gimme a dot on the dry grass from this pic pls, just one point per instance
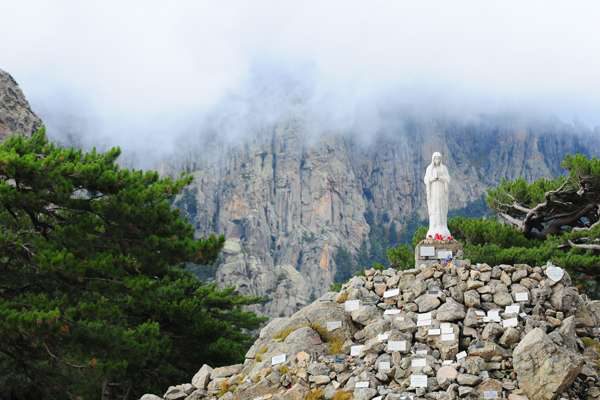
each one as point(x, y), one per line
point(342, 395)
point(223, 388)
point(284, 369)
point(315, 394)
point(240, 379)
point(284, 333)
point(320, 329)
point(343, 296)
point(259, 354)
point(336, 344)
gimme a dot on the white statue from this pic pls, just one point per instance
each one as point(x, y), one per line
point(436, 184)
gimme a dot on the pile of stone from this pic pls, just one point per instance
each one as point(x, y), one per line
point(455, 331)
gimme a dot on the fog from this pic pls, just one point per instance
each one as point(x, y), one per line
point(140, 74)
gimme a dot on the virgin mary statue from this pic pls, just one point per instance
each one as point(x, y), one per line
point(436, 184)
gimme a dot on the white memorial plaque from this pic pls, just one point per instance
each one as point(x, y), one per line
point(490, 394)
point(279, 359)
point(391, 311)
point(361, 385)
point(377, 398)
point(384, 366)
point(446, 328)
point(443, 254)
point(494, 315)
point(421, 352)
point(461, 355)
point(391, 293)
point(397, 345)
point(509, 323)
point(356, 350)
point(447, 362)
point(352, 305)
point(521, 296)
point(427, 251)
point(418, 362)
point(423, 322)
point(382, 337)
point(448, 337)
point(333, 325)
point(434, 332)
point(480, 313)
point(555, 273)
point(424, 316)
point(418, 381)
point(513, 309)
point(522, 315)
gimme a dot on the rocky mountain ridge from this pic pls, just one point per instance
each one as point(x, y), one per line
point(454, 331)
point(297, 208)
point(15, 112)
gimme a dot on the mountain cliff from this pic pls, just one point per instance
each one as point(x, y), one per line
point(298, 207)
point(15, 113)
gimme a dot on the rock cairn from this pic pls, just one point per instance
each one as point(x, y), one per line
point(456, 331)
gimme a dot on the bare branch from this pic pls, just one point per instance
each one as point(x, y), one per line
point(584, 246)
point(512, 220)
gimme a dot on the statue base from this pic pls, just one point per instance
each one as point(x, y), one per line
point(429, 252)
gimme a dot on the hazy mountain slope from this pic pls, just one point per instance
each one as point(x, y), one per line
point(287, 201)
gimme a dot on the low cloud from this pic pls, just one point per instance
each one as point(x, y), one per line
point(141, 74)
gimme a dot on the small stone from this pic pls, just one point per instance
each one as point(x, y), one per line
point(471, 299)
point(510, 337)
point(225, 372)
point(503, 298)
point(201, 378)
point(319, 379)
point(446, 375)
point(451, 310)
point(427, 302)
point(468, 379)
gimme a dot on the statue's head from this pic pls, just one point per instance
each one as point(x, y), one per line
point(436, 158)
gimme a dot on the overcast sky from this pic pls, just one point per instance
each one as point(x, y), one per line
point(135, 71)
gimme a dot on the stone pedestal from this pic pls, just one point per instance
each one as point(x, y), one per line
point(429, 252)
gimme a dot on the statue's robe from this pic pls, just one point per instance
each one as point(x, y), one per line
point(437, 199)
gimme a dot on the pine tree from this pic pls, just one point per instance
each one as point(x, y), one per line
point(92, 285)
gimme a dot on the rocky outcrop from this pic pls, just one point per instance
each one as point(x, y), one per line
point(373, 341)
point(286, 200)
point(15, 113)
point(545, 369)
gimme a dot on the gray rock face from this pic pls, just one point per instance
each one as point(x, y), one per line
point(544, 370)
point(287, 202)
point(504, 356)
point(15, 113)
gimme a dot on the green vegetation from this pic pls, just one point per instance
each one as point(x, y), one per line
point(93, 288)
